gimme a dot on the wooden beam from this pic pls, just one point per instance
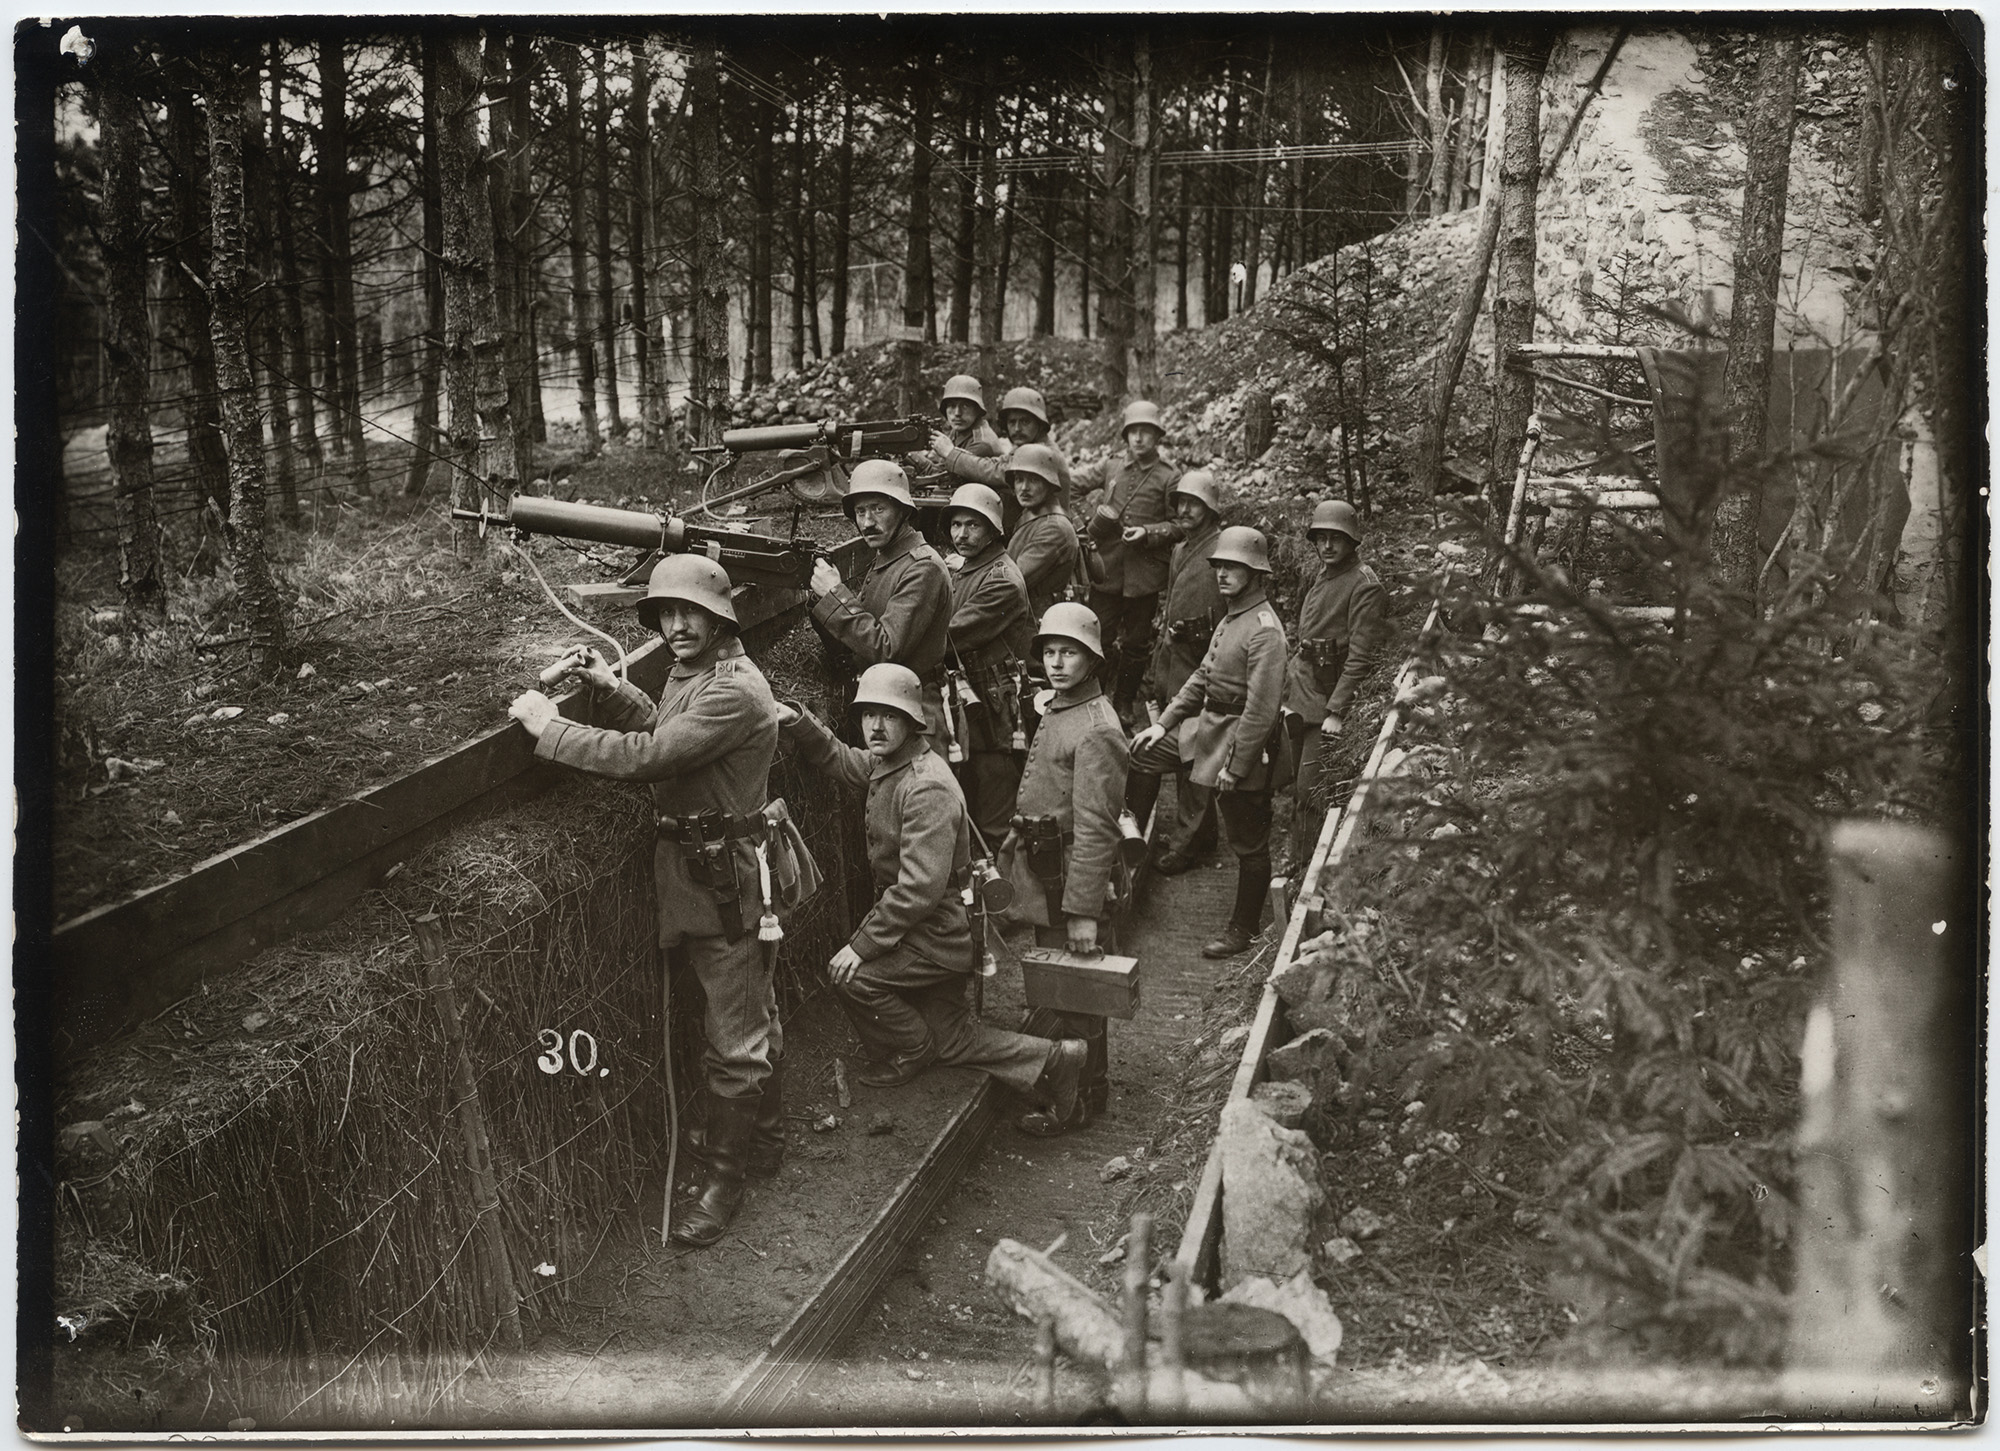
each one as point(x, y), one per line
point(1573, 351)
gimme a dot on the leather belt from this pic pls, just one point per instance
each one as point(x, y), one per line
point(693, 830)
point(1221, 705)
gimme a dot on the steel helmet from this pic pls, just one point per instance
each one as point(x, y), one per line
point(879, 476)
point(964, 388)
point(1025, 400)
point(1037, 459)
point(1336, 516)
point(1067, 621)
point(1200, 484)
point(895, 686)
point(980, 500)
point(1141, 411)
point(689, 577)
point(1241, 544)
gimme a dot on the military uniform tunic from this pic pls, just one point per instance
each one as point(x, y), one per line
point(901, 611)
point(992, 471)
point(990, 634)
point(1244, 672)
point(1044, 546)
point(1192, 609)
point(1075, 772)
point(1348, 608)
point(1137, 494)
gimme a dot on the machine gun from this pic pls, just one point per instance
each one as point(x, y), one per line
point(813, 457)
point(749, 558)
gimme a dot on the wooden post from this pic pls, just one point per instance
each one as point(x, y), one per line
point(496, 1274)
point(1883, 1304)
point(1132, 1360)
point(1173, 1352)
point(1045, 1368)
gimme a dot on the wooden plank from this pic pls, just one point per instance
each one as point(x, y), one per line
point(1615, 500)
point(123, 962)
point(760, 1396)
point(1573, 351)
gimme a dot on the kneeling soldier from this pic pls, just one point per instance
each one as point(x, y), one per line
point(990, 631)
point(706, 749)
point(903, 975)
point(1064, 849)
point(1230, 707)
point(1343, 633)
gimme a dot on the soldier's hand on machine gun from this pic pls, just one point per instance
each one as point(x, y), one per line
point(533, 710)
point(586, 664)
point(1333, 725)
point(843, 965)
point(1083, 936)
point(1148, 736)
point(824, 578)
point(941, 445)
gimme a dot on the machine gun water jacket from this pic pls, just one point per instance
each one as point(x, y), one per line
point(1191, 608)
point(1075, 772)
point(1227, 711)
point(1343, 634)
point(919, 849)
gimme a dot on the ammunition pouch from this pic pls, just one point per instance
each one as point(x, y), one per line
point(712, 850)
point(1323, 654)
point(1047, 847)
point(1195, 630)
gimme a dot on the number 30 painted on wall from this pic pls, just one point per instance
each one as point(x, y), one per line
point(552, 1062)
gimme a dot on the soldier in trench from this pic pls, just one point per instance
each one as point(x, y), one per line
point(705, 749)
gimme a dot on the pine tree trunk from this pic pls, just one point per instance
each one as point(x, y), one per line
point(128, 337)
point(607, 281)
point(426, 439)
point(569, 62)
point(1115, 293)
point(475, 381)
point(1183, 219)
point(843, 221)
point(1440, 119)
point(528, 281)
point(207, 459)
point(267, 355)
point(810, 220)
point(708, 368)
point(800, 225)
point(1045, 282)
point(1145, 221)
point(765, 190)
point(1760, 257)
point(291, 292)
point(986, 233)
point(638, 235)
point(1253, 217)
point(243, 429)
point(1514, 285)
point(959, 323)
point(1472, 135)
point(919, 315)
point(335, 192)
point(1086, 272)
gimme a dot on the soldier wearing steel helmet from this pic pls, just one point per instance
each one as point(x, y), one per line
point(705, 748)
point(1223, 723)
point(902, 609)
point(1190, 610)
point(902, 976)
point(1343, 634)
point(1075, 774)
point(1044, 541)
point(963, 404)
point(1130, 525)
point(1024, 415)
point(990, 634)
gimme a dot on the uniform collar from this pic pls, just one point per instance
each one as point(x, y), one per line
point(1207, 532)
point(915, 746)
point(1246, 603)
point(1093, 688)
point(900, 543)
point(985, 556)
point(1335, 571)
point(726, 647)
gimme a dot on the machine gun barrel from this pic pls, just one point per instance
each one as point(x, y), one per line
point(748, 557)
point(594, 522)
point(784, 435)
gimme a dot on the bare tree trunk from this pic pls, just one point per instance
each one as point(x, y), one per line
point(527, 263)
point(801, 225)
point(570, 62)
point(187, 269)
point(919, 317)
point(299, 355)
point(1253, 216)
point(510, 307)
point(1760, 257)
point(262, 160)
point(958, 326)
point(427, 440)
point(708, 366)
point(607, 282)
point(1009, 217)
point(1184, 218)
point(764, 191)
point(1440, 119)
point(335, 190)
point(638, 234)
point(1045, 284)
point(475, 385)
point(1115, 293)
point(231, 88)
point(986, 226)
point(843, 220)
point(1514, 286)
point(1472, 135)
point(1145, 221)
point(128, 337)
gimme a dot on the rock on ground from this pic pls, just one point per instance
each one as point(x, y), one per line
point(1300, 1301)
point(1270, 1188)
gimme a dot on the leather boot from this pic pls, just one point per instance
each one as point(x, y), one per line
point(1253, 883)
point(767, 1149)
point(896, 1071)
point(1063, 1106)
point(731, 1124)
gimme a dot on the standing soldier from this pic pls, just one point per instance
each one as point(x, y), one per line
point(963, 404)
point(990, 636)
point(1343, 634)
point(1132, 530)
point(1064, 850)
point(706, 750)
point(1025, 418)
point(1227, 715)
point(1192, 610)
point(901, 612)
point(1044, 541)
point(902, 975)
